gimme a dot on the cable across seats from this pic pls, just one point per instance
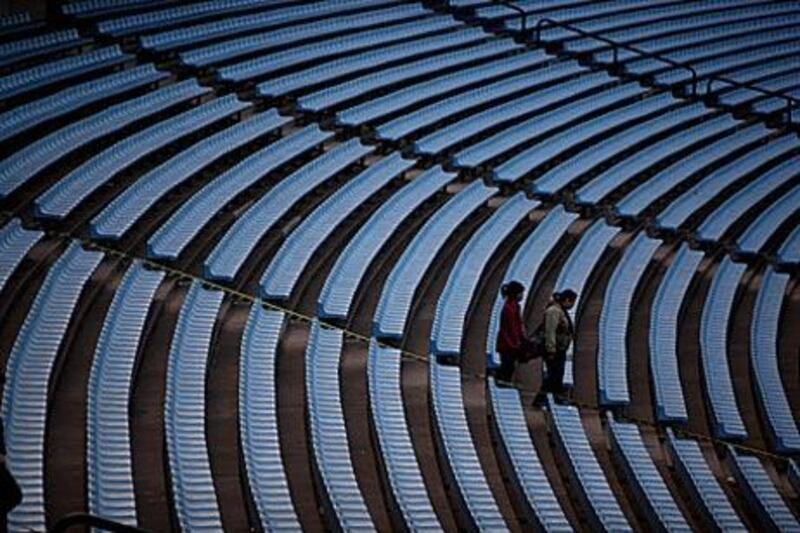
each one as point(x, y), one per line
point(427, 115)
point(679, 172)
point(23, 117)
point(677, 212)
point(38, 45)
point(184, 36)
point(651, 491)
point(699, 481)
point(283, 272)
point(15, 243)
point(612, 350)
point(761, 493)
point(451, 310)
point(764, 363)
point(127, 208)
point(663, 336)
point(398, 290)
point(281, 59)
point(329, 429)
point(108, 451)
point(525, 266)
point(394, 439)
point(230, 253)
point(192, 485)
point(578, 269)
point(340, 288)
point(194, 214)
point(231, 48)
point(714, 331)
point(423, 90)
point(17, 169)
point(337, 94)
point(516, 441)
point(258, 421)
point(755, 237)
point(29, 372)
point(457, 449)
point(593, 490)
point(62, 198)
point(723, 217)
point(331, 70)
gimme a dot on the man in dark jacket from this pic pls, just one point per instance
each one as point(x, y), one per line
point(558, 335)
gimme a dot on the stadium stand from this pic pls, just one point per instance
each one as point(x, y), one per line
point(755, 237)
point(15, 243)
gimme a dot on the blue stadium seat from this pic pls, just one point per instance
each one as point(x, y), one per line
point(394, 439)
point(789, 252)
point(682, 208)
point(761, 493)
point(20, 118)
point(15, 243)
point(650, 490)
point(95, 8)
point(458, 449)
point(664, 322)
point(28, 375)
point(62, 198)
point(398, 290)
point(714, 331)
point(525, 265)
point(329, 430)
point(590, 484)
point(516, 440)
point(61, 69)
point(258, 421)
point(794, 474)
point(231, 48)
point(192, 486)
point(108, 435)
point(15, 51)
point(339, 290)
point(755, 236)
point(773, 76)
point(195, 213)
point(696, 477)
point(677, 173)
point(612, 349)
point(283, 272)
point(451, 311)
point(228, 256)
point(764, 363)
point(577, 270)
point(123, 212)
point(20, 18)
point(723, 217)
point(17, 169)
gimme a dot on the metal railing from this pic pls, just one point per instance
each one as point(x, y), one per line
point(791, 102)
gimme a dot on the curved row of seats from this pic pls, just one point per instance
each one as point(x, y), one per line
point(15, 242)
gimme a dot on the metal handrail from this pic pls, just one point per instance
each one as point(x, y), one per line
point(791, 102)
point(523, 15)
point(83, 519)
point(615, 46)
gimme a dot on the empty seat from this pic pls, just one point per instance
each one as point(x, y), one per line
point(394, 439)
point(758, 233)
point(794, 474)
point(28, 375)
point(283, 272)
point(329, 430)
point(651, 491)
point(340, 288)
point(15, 243)
point(258, 421)
point(764, 363)
point(618, 301)
point(665, 318)
point(398, 290)
point(789, 252)
point(714, 332)
point(62, 198)
point(230, 253)
point(458, 449)
point(192, 485)
point(525, 266)
point(451, 310)
point(108, 437)
point(48, 43)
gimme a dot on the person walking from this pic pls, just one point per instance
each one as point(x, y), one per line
point(558, 336)
point(511, 333)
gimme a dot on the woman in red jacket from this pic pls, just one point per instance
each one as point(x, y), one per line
point(511, 334)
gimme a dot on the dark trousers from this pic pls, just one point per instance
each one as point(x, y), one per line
point(554, 382)
point(506, 370)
